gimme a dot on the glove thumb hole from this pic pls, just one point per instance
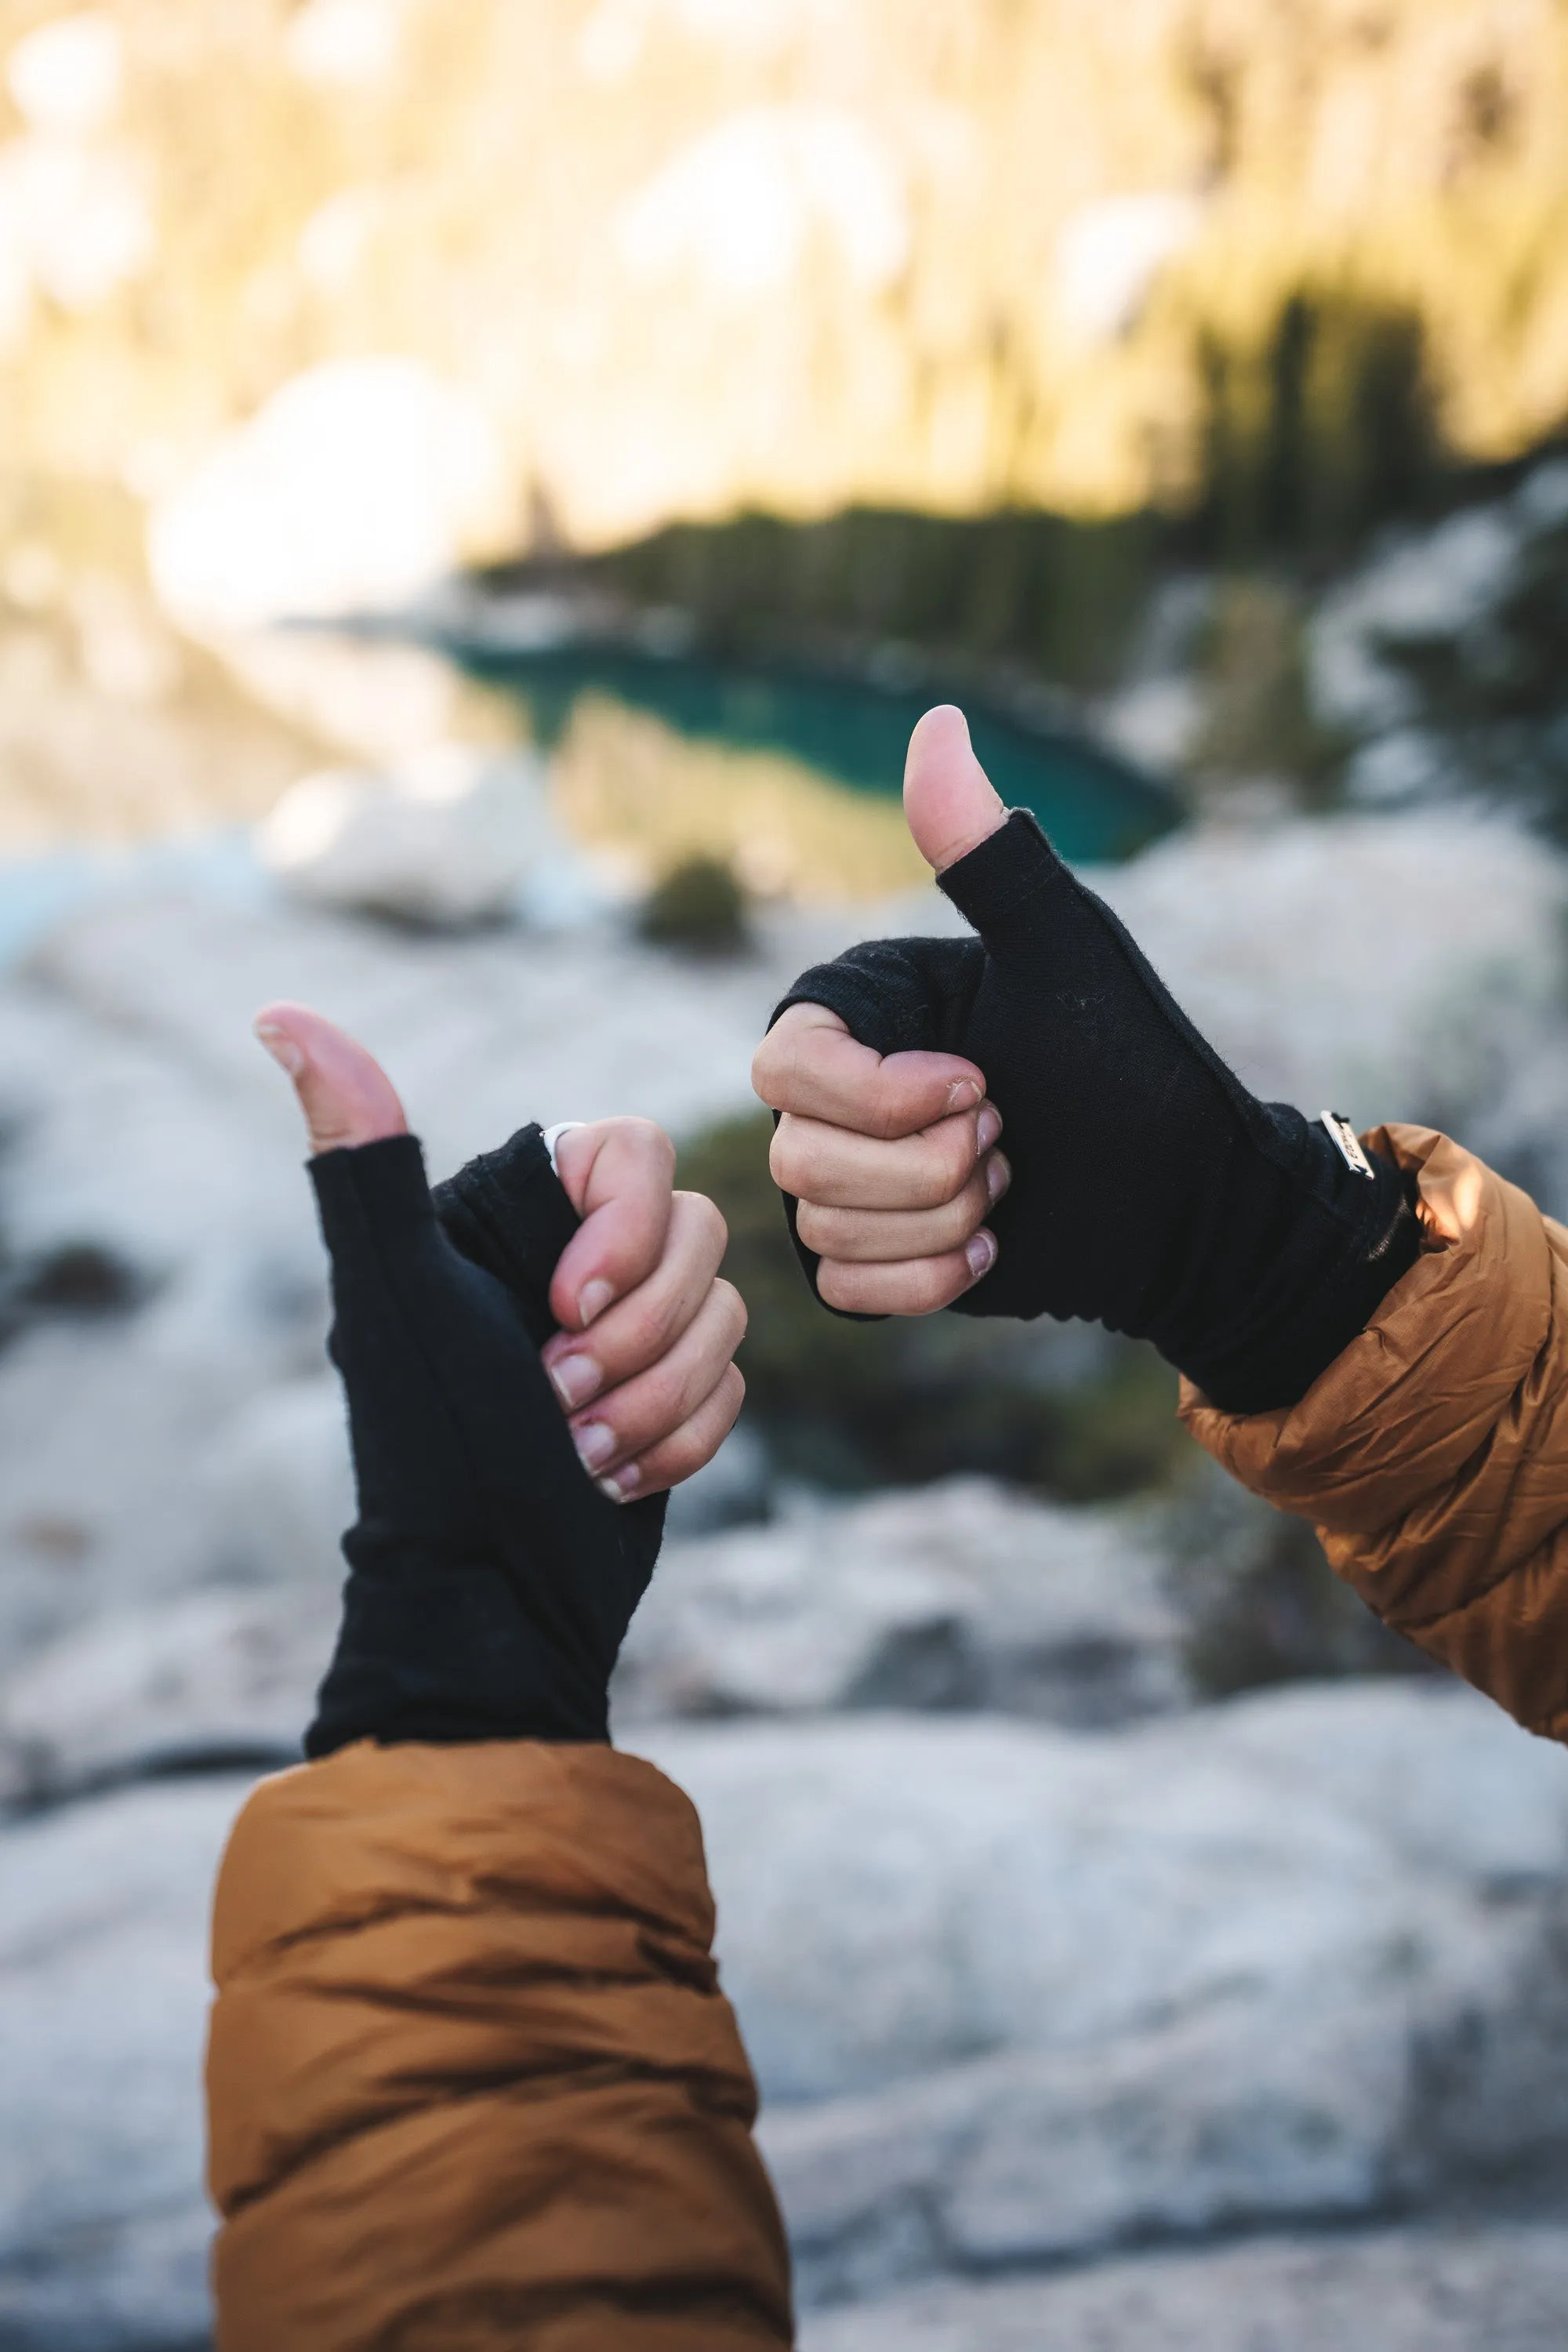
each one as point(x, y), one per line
point(375, 1206)
point(950, 802)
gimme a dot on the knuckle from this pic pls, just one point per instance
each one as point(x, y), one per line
point(682, 1453)
point(645, 1334)
point(937, 1229)
point(662, 1150)
point(913, 1287)
point(695, 1442)
point(931, 1285)
point(786, 1155)
point(693, 1446)
point(707, 1221)
point(950, 1278)
point(968, 1211)
point(658, 1408)
point(954, 1164)
point(858, 1235)
point(960, 1140)
point(817, 1227)
point(800, 1164)
point(768, 1070)
point(935, 1179)
point(885, 1115)
point(838, 1284)
point(626, 1252)
point(725, 1410)
point(735, 1310)
point(647, 1139)
point(919, 1289)
point(908, 1096)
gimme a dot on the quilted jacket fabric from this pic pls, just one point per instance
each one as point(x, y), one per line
point(1432, 1456)
point(471, 2081)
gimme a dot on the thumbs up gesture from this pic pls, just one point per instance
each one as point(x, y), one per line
point(1136, 1183)
point(531, 1355)
point(641, 1327)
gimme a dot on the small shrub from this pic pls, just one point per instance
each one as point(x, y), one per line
point(698, 906)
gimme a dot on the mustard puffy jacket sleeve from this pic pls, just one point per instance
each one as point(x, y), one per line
point(1433, 1455)
point(471, 2081)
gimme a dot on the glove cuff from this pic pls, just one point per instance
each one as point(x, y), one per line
point(999, 873)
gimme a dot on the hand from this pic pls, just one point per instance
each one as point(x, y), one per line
point(891, 1158)
point(1151, 1190)
point(643, 1361)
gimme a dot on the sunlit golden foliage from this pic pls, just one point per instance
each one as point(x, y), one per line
point(943, 253)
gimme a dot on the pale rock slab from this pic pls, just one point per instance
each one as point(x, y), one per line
point(1441, 2286)
point(105, 1437)
point(1294, 1958)
point(208, 1679)
point(103, 1920)
point(957, 1595)
point(1427, 2072)
point(899, 1895)
point(281, 1479)
point(445, 838)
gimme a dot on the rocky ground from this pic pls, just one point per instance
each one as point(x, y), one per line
point(1092, 2008)
point(1437, 2288)
point(1076, 2000)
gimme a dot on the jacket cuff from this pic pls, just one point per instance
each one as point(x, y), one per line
point(1403, 1407)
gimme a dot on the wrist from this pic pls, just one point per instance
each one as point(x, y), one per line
point(442, 1653)
point(1349, 1234)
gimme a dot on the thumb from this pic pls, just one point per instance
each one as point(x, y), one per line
point(346, 1096)
point(950, 804)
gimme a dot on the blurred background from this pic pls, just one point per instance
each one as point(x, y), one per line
point(484, 493)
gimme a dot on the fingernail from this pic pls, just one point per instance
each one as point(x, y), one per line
point(998, 1176)
point(576, 1378)
point(595, 1441)
point(282, 1047)
point(980, 1249)
point(988, 1126)
point(593, 1299)
point(962, 1095)
point(621, 1485)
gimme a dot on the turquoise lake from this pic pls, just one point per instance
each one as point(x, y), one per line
point(650, 758)
point(848, 733)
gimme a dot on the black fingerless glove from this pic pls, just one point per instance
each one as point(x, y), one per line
point(491, 1582)
point(1151, 1192)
